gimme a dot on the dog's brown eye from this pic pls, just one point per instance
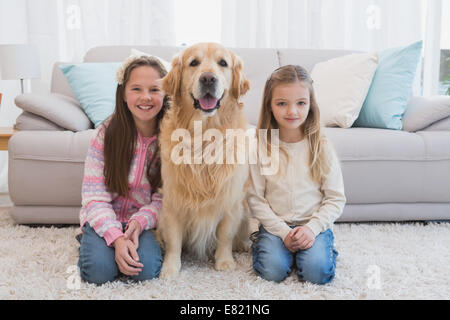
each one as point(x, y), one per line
point(194, 63)
point(223, 63)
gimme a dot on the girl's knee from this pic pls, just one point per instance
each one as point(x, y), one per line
point(271, 274)
point(271, 260)
point(149, 272)
point(96, 260)
point(152, 267)
point(271, 269)
point(317, 264)
point(150, 256)
point(98, 271)
point(317, 272)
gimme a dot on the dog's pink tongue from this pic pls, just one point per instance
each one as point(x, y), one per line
point(207, 102)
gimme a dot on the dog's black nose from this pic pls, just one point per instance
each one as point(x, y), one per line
point(208, 79)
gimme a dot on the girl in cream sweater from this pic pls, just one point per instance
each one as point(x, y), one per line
point(297, 206)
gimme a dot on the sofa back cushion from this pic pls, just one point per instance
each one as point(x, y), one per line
point(307, 58)
point(258, 65)
point(59, 82)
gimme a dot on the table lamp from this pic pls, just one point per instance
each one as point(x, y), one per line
point(19, 61)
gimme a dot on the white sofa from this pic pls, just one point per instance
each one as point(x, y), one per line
point(389, 175)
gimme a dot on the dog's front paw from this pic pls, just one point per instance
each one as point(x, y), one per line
point(225, 264)
point(170, 270)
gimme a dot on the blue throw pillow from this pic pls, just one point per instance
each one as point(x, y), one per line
point(94, 85)
point(391, 88)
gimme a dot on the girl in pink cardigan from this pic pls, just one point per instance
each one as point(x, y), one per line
point(120, 199)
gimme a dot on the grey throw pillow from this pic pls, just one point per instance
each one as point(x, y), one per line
point(59, 109)
point(423, 111)
point(441, 125)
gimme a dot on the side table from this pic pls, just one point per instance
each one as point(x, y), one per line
point(5, 134)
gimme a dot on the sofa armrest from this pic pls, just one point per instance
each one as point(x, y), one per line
point(59, 109)
point(45, 168)
point(31, 122)
point(441, 125)
point(424, 111)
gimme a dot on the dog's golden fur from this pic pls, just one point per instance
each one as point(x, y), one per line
point(203, 204)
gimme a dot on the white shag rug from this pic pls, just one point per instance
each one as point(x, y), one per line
point(376, 261)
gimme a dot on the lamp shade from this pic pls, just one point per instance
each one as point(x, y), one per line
point(19, 61)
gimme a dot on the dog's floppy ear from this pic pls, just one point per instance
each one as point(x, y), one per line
point(171, 83)
point(240, 83)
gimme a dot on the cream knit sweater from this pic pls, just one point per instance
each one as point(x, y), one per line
point(293, 198)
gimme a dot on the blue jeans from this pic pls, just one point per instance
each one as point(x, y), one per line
point(273, 261)
point(97, 261)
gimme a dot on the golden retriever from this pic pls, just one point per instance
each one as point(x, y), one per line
point(203, 204)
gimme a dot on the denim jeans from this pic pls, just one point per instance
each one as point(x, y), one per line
point(97, 261)
point(273, 261)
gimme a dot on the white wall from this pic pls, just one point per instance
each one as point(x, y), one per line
point(50, 25)
point(13, 29)
point(34, 22)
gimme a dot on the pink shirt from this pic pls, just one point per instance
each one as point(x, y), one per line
point(106, 211)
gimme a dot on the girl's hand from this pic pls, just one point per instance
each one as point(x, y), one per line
point(289, 242)
point(127, 257)
point(302, 238)
point(133, 232)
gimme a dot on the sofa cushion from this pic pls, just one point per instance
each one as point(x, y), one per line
point(423, 111)
point(395, 212)
point(94, 85)
point(379, 166)
point(386, 166)
point(62, 110)
point(391, 88)
point(341, 85)
point(30, 121)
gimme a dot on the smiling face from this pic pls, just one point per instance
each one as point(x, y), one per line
point(290, 107)
point(144, 97)
point(206, 76)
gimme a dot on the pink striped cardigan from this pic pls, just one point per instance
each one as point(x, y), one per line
point(106, 211)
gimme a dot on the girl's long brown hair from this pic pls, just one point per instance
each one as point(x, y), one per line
point(121, 136)
point(319, 165)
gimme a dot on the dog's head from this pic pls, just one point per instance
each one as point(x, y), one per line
point(206, 75)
